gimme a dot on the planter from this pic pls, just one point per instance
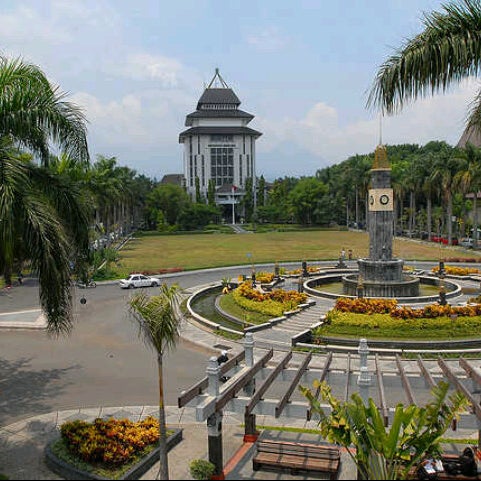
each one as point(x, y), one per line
point(68, 471)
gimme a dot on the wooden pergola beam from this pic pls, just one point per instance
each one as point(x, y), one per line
point(239, 383)
point(382, 397)
point(285, 399)
point(267, 383)
point(189, 394)
point(323, 375)
point(348, 377)
point(405, 381)
point(471, 371)
point(425, 372)
point(453, 379)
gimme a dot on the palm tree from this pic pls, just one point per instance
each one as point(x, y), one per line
point(41, 214)
point(444, 170)
point(42, 220)
point(159, 323)
point(469, 180)
point(33, 113)
point(447, 51)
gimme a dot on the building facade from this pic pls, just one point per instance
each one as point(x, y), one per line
point(219, 147)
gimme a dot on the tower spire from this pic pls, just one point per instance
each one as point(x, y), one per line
point(221, 83)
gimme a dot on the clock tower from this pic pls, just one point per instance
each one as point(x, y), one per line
point(381, 275)
point(380, 208)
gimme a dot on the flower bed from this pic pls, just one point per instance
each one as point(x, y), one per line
point(457, 271)
point(274, 303)
point(383, 318)
point(389, 306)
point(107, 449)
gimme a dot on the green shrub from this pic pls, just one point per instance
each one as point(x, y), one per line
point(201, 469)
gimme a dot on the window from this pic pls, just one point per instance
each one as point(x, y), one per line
point(221, 138)
point(222, 165)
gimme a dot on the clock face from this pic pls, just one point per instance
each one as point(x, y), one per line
point(380, 200)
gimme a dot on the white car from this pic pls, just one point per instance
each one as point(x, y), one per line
point(138, 280)
point(466, 242)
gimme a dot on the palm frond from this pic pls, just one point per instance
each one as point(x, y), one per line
point(445, 52)
point(34, 112)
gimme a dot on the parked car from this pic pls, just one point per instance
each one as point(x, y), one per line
point(138, 280)
point(467, 242)
point(454, 241)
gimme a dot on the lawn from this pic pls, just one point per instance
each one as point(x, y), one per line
point(153, 252)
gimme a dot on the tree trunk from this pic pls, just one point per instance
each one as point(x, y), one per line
point(163, 458)
point(475, 221)
point(429, 217)
point(449, 217)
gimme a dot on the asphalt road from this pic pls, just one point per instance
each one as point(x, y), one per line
point(103, 362)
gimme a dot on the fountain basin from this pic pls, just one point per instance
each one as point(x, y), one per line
point(313, 287)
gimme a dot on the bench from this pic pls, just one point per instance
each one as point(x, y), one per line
point(297, 457)
point(453, 458)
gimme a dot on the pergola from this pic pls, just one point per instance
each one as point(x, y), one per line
point(264, 382)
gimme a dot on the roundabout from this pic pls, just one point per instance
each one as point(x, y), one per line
point(294, 328)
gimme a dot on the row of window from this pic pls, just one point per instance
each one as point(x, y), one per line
point(218, 107)
point(221, 138)
point(221, 167)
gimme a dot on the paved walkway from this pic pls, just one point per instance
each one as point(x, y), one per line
point(22, 444)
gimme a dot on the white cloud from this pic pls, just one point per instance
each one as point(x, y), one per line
point(27, 26)
point(440, 117)
point(268, 40)
point(144, 66)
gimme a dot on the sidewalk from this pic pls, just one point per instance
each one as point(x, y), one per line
point(22, 444)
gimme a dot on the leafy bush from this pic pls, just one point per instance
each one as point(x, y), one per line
point(389, 306)
point(201, 469)
point(274, 303)
point(389, 327)
point(111, 442)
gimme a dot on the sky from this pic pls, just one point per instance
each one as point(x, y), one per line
point(303, 68)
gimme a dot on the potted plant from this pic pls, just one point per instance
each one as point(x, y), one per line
point(201, 469)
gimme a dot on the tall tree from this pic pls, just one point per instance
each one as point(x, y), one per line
point(169, 199)
point(43, 221)
point(40, 220)
point(304, 199)
point(211, 192)
point(446, 51)
point(261, 191)
point(469, 180)
point(158, 318)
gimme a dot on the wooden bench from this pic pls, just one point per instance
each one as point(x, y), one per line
point(453, 458)
point(297, 457)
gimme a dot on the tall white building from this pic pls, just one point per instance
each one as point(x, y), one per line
point(219, 146)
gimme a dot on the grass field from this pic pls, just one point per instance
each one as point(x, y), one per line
point(153, 252)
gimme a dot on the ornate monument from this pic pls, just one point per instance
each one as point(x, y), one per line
point(382, 276)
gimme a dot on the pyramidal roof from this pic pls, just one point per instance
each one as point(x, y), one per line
point(218, 93)
point(471, 136)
